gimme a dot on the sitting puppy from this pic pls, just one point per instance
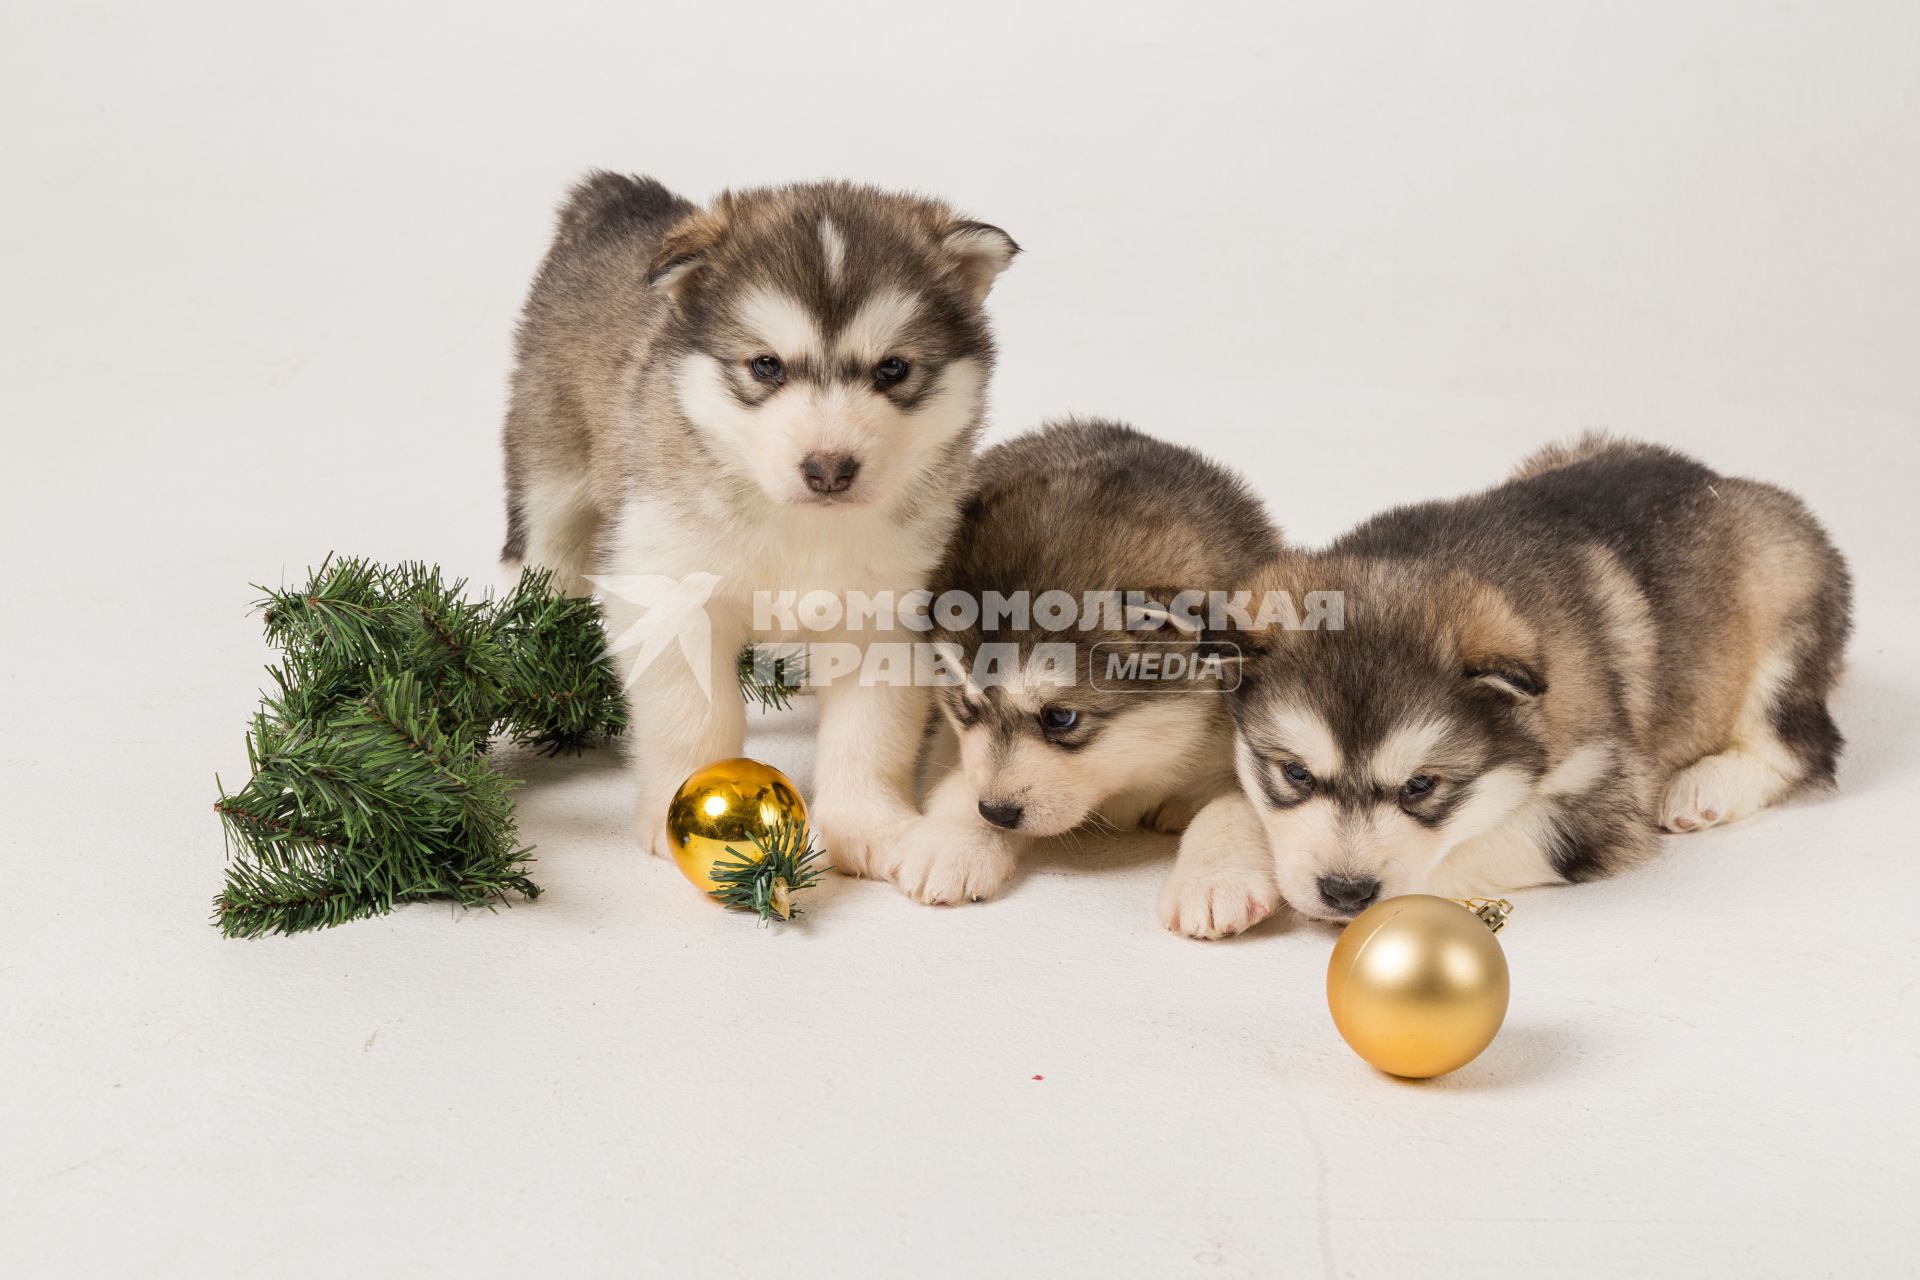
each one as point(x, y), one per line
point(779, 393)
point(1113, 719)
point(1533, 680)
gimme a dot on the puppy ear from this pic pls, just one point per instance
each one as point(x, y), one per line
point(1496, 644)
point(1145, 617)
point(1231, 649)
point(1277, 594)
point(685, 250)
point(1512, 678)
point(979, 252)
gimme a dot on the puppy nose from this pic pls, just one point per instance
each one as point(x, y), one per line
point(830, 472)
point(1001, 815)
point(1344, 893)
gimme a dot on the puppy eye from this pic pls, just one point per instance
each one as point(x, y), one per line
point(1418, 785)
point(767, 368)
point(1298, 774)
point(890, 371)
point(1059, 719)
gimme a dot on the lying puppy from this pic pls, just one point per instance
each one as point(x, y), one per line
point(1533, 680)
point(777, 393)
point(1113, 719)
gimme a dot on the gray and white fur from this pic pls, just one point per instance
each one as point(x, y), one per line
point(1533, 681)
point(780, 391)
point(1044, 748)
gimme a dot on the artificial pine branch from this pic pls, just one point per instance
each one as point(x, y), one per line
point(561, 692)
point(371, 784)
point(768, 677)
point(766, 885)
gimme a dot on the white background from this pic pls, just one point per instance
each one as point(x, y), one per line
point(258, 270)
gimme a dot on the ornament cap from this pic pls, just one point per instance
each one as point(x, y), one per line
point(1493, 912)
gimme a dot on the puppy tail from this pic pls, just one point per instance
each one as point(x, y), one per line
point(604, 201)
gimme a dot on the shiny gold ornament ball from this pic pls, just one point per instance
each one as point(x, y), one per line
point(725, 805)
point(1418, 984)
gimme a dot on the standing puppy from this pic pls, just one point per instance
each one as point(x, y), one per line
point(776, 393)
point(1087, 699)
point(1532, 681)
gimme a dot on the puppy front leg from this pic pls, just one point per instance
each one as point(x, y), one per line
point(863, 770)
point(953, 855)
point(1223, 881)
point(1548, 843)
point(676, 727)
point(553, 524)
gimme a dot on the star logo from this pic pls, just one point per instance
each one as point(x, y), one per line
point(676, 613)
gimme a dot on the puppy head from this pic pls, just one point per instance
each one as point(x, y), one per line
point(1372, 751)
point(831, 340)
point(1052, 725)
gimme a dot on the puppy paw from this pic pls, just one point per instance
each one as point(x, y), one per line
point(941, 862)
point(650, 824)
point(858, 839)
point(1217, 902)
point(1720, 788)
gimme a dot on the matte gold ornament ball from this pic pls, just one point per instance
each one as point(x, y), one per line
point(1418, 984)
point(725, 805)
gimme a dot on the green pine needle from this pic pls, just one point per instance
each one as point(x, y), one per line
point(371, 784)
point(766, 885)
point(768, 678)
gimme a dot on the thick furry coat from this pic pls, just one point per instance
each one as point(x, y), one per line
point(1061, 730)
point(1532, 681)
point(776, 393)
